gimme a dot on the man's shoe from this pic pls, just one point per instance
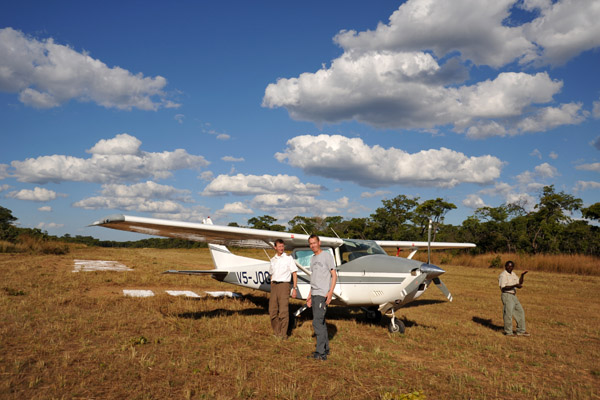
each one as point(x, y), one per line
point(523, 334)
point(317, 356)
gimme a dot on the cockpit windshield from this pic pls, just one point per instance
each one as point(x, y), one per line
point(354, 248)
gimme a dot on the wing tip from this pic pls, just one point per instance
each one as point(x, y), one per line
point(109, 219)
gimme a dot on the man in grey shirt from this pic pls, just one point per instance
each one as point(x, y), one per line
point(322, 281)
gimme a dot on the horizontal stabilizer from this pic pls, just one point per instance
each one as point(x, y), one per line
point(218, 274)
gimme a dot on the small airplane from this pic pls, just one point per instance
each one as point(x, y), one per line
point(367, 276)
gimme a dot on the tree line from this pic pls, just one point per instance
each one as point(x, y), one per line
point(552, 226)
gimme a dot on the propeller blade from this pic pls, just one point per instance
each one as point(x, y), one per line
point(438, 282)
point(414, 285)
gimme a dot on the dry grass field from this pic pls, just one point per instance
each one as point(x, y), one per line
point(74, 335)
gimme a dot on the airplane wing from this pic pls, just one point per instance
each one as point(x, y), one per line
point(406, 245)
point(217, 234)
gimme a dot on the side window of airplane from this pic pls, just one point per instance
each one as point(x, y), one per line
point(303, 255)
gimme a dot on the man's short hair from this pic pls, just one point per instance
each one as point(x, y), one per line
point(509, 263)
point(279, 241)
point(314, 236)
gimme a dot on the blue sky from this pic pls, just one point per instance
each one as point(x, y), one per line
point(241, 109)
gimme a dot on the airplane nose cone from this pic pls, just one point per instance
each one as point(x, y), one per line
point(431, 270)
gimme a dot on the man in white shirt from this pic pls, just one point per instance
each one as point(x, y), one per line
point(283, 269)
point(509, 283)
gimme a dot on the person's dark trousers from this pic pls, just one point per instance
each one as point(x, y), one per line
point(279, 307)
point(319, 308)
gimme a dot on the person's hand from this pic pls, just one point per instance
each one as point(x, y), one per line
point(524, 272)
point(328, 299)
point(519, 286)
point(294, 291)
point(309, 302)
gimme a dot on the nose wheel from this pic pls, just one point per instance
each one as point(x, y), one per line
point(395, 325)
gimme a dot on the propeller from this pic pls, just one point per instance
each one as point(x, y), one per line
point(438, 282)
point(414, 285)
point(433, 272)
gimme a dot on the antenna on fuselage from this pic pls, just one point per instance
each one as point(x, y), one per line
point(429, 243)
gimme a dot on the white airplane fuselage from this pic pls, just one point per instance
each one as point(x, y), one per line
point(370, 280)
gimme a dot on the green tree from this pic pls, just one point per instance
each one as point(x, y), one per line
point(300, 224)
point(359, 228)
point(592, 212)
point(8, 231)
point(391, 220)
point(265, 222)
point(547, 223)
point(434, 210)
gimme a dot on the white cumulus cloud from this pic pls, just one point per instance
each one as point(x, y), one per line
point(49, 225)
point(551, 117)
point(473, 201)
point(585, 185)
point(596, 109)
point(562, 30)
point(529, 180)
point(235, 208)
point(288, 205)
point(114, 160)
point(474, 28)
point(407, 74)
point(194, 214)
point(45, 209)
point(143, 197)
point(536, 153)
point(232, 159)
point(37, 194)
point(4, 171)
point(46, 74)
point(377, 193)
point(511, 195)
point(477, 30)
point(121, 144)
point(345, 159)
point(589, 167)
point(241, 185)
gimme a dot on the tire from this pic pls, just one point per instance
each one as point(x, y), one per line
point(398, 328)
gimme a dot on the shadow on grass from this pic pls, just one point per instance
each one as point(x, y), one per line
point(338, 313)
point(428, 302)
point(221, 312)
point(488, 324)
point(334, 313)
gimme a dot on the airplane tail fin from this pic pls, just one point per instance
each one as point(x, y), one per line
point(226, 260)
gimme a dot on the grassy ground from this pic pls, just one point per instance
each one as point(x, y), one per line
point(74, 335)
